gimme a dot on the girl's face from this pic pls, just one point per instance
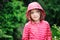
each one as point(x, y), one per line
point(35, 15)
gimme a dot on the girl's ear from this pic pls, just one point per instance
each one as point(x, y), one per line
point(29, 19)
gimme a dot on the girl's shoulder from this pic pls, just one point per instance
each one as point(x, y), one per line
point(45, 22)
point(27, 24)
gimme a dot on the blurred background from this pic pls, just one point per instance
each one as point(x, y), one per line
point(13, 19)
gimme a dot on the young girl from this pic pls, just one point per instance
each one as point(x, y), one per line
point(36, 28)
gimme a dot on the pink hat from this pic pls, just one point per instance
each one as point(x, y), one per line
point(34, 5)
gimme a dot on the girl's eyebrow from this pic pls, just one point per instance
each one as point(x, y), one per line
point(31, 12)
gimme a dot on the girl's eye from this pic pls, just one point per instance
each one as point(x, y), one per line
point(35, 11)
point(32, 12)
point(38, 11)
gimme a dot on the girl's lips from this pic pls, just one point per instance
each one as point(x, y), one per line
point(35, 17)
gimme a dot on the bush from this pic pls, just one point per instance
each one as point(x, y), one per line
point(55, 32)
point(12, 18)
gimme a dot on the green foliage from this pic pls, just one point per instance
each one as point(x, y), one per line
point(55, 32)
point(12, 18)
point(52, 8)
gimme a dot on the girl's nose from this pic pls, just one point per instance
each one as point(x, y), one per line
point(35, 13)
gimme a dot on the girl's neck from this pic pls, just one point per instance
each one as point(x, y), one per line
point(36, 21)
